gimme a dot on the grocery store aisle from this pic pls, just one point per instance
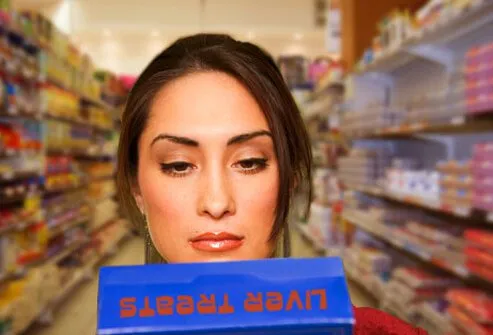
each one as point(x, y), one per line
point(78, 315)
point(303, 248)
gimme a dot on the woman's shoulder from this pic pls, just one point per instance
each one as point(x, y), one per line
point(370, 321)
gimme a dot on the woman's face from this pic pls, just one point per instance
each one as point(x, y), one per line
point(208, 174)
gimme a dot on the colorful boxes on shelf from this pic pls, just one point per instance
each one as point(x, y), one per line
point(409, 287)
point(471, 310)
point(456, 184)
point(479, 72)
point(482, 170)
point(363, 167)
point(479, 252)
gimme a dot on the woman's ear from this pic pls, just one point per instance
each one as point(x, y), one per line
point(139, 200)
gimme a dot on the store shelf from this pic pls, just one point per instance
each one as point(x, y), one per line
point(305, 233)
point(362, 283)
point(81, 96)
point(17, 176)
point(60, 228)
point(5, 278)
point(456, 125)
point(18, 226)
point(45, 315)
point(97, 228)
point(446, 34)
point(463, 24)
point(15, 113)
point(78, 154)
point(65, 189)
point(102, 178)
point(389, 62)
point(438, 320)
point(12, 200)
point(383, 234)
point(467, 213)
point(67, 251)
point(10, 153)
point(77, 122)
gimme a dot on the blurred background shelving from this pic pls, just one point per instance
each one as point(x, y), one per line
point(59, 217)
point(414, 211)
point(397, 97)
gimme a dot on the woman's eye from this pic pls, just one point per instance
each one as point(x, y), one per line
point(252, 165)
point(176, 168)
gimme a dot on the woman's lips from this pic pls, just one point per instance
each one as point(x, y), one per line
point(216, 242)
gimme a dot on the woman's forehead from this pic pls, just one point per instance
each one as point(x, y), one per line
point(206, 102)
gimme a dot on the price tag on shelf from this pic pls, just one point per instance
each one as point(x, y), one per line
point(8, 175)
point(462, 211)
point(458, 120)
point(461, 271)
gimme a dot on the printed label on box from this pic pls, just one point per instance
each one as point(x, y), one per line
point(249, 297)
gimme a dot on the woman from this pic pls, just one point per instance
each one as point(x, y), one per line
point(212, 149)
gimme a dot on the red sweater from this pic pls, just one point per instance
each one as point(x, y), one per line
point(371, 321)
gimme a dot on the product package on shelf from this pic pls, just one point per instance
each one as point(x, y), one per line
point(106, 237)
point(415, 232)
point(62, 172)
point(479, 252)
point(420, 111)
point(466, 324)
point(432, 316)
point(477, 304)
point(401, 26)
point(479, 70)
point(64, 137)
point(19, 137)
point(326, 187)
point(369, 266)
point(103, 212)
point(457, 184)
point(101, 189)
point(60, 103)
point(409, 287)
point(98, 170)
point(363, 167)
point(29, 296)
point(404, 179)
point(482, 172)
point(320, 224)
point(19, 69)
point(70, 218)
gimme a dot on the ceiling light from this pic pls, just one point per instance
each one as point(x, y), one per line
point(107, 33)
point(251, 35)
point(298, 36)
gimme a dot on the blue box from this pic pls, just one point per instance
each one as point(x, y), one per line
point(271, 296)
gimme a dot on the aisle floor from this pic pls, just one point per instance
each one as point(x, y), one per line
point(77, 316)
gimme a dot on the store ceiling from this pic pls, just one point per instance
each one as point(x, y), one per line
point(111, 29)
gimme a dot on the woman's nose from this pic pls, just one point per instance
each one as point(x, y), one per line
point(216, 199)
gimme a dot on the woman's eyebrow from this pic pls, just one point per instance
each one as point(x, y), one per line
point(248, 136)
point(175, 139)
point(193, 143)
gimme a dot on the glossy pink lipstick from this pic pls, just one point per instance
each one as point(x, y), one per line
point(216, 242)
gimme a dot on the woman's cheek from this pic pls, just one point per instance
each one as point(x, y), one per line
point(167, 202)
point(259, 197)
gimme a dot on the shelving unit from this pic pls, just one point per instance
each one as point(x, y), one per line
point(57, 165)
point(420, 138)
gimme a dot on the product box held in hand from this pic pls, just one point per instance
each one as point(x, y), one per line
point(271, 296)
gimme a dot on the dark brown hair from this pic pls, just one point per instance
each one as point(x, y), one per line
point(258, 72)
